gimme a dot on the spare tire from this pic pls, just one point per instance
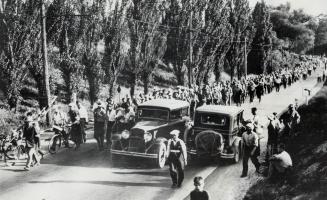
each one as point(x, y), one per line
point(208, 143)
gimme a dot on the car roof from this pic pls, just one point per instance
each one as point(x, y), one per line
point(170, 104)
point(229, 110)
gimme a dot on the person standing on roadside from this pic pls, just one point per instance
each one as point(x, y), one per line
point(177, 158)
point(273, 134)
point(83, 118)
point(29, 133)
point(99, 124)
point(290, 119)
point(260, 90)
point(198, 193)
point(75, 131)
point(111, 118)
point(251, 90)
point(250, 141)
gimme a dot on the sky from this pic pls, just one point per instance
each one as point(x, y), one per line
point(312, 7)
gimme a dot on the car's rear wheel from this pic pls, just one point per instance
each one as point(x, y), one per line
point(160, 161)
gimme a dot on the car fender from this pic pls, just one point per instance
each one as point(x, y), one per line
point(154, 147)
point(236, 143)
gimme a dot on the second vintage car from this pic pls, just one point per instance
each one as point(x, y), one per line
point(148, 138)
point(216, 132)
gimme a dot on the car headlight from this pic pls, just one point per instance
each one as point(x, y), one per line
point(125, 134)
point(147, 137)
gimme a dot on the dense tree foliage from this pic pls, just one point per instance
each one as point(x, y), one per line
point(296, 28)
point(19, 35)
point(321, 34)
point(243, 31)
point(102, 43)
point(262, 41)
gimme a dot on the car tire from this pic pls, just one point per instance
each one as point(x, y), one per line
point(161, 152)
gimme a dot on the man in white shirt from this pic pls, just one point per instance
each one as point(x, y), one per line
point(251, 150)
point(111, 119)
point(280, 163)
point(83, 118)
point(177, 158)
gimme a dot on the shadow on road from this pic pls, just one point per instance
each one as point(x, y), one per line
point(14, 170)
point(164, 173)
point(109, 183)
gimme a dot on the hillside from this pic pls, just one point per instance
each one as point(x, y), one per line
point(309, 154)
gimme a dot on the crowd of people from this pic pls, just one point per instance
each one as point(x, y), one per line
point(233, 92)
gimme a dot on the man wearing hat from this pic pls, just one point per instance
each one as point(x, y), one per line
point(251, 144)
point(29, 133)
point(99, 124)
point(177, 158)
point(290, 119)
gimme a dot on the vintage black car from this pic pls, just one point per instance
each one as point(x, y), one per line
point(148, 138)
point(216, 132)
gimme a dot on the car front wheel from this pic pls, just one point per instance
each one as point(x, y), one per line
point(161, 159)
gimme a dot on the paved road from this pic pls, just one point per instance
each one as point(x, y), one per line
point(89, 174)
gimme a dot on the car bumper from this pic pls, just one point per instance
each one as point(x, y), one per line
point(227, 155)
point(221, 155)
point(133, 154)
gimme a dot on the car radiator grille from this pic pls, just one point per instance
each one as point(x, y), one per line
point(136, 145)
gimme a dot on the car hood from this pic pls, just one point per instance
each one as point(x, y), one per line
point(149, 125)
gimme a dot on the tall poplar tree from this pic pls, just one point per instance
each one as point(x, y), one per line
point(262, 42)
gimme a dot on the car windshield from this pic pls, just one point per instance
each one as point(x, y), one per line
point(147, 113)
point(213, 119)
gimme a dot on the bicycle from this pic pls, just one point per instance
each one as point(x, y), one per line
point(60, 138)
point(12, 148)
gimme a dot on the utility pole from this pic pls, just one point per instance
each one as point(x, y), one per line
point(245, 59)
point(45, 63)
point(190, 70)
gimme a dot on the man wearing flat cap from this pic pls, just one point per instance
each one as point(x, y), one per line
point(251, 144)
point(177, 158)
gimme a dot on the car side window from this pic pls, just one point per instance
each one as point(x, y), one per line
point(175, 115)
point(185, 112)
